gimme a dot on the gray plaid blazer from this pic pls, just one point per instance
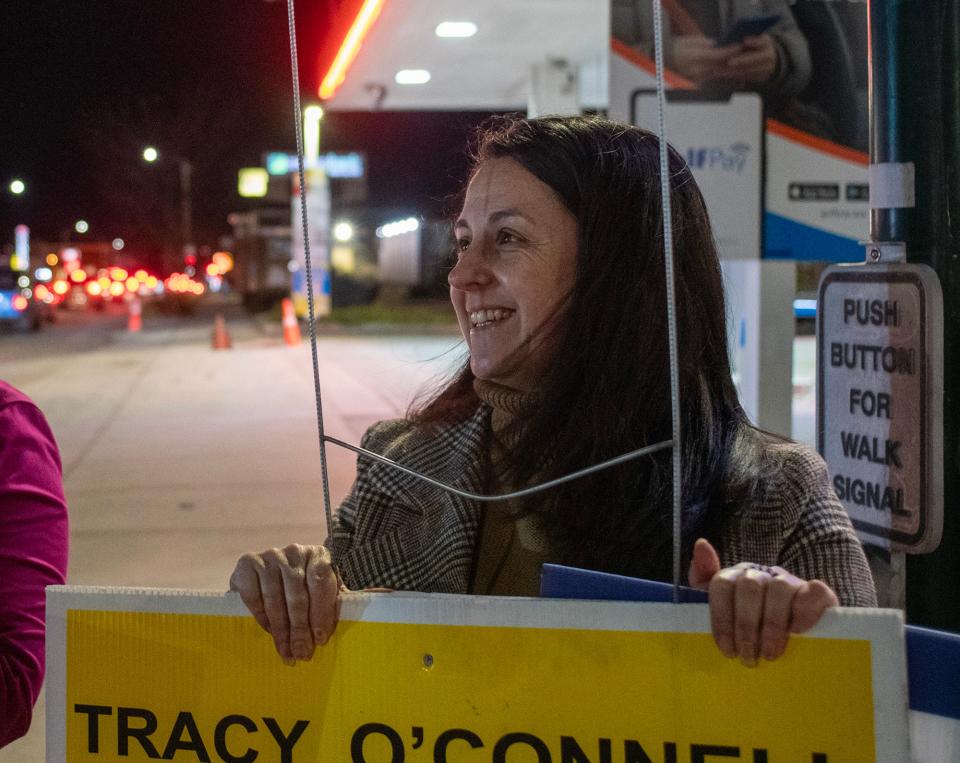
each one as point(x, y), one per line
point(394, 531)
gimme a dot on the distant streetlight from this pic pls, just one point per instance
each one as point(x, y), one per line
point(343, 232)
point(118, 244)
point(81, 226)
point(17, 187)
point(150, 154)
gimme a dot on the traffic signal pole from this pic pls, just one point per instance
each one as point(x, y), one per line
point(915, 130)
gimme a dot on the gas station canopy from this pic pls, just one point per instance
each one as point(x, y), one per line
point(495, 68)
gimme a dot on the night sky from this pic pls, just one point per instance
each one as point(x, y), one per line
point(84, 86)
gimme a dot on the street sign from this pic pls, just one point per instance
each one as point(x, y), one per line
point(252, 182)
point(337, 166)
point(880, 400)
point(140, 675)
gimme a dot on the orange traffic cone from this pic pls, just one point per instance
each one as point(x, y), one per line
point(134, 315)
point(221, 337)
point(291, 328)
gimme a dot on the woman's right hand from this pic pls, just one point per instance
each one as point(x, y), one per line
point(294, 594)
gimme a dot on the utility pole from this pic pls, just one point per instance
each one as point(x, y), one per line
point(185, 170)
point(186, 204)
point(915, 125)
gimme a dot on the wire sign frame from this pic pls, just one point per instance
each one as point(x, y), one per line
point(673, 443)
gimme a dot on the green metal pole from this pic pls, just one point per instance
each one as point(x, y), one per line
point(915, 117)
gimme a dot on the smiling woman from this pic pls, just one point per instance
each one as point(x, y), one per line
point(516, 264)
point(560, 291)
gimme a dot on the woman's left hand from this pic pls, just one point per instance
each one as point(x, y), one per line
point(755, 608)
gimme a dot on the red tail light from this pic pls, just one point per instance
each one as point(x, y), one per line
point(20, 303)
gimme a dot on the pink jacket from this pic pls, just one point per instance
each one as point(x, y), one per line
point(33, 552)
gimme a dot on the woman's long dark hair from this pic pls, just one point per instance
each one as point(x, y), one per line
point(607, 390)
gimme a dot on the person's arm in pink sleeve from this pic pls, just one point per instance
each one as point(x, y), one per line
point(33, 553)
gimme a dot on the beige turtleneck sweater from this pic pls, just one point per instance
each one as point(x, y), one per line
point(513, 544)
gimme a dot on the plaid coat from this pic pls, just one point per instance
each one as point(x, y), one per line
point(396, 532)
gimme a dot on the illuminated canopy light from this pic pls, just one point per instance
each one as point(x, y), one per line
point(350, 47)
point(17, 187)
point(252, 182)
point(81, 226)
point(150, 154)
point(398, 227)
point(343, 232)
point(43, 274)
point(412, 77)
point(456, 29)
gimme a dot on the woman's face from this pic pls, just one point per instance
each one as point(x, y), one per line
point(517, 253)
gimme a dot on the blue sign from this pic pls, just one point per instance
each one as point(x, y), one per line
point(350, 165)
point(278, 164)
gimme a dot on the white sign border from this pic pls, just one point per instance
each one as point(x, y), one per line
point(931, 295)
point(883, 628)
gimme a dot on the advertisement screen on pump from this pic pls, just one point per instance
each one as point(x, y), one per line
point(807, 62)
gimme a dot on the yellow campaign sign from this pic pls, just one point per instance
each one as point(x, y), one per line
point(160, 676)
